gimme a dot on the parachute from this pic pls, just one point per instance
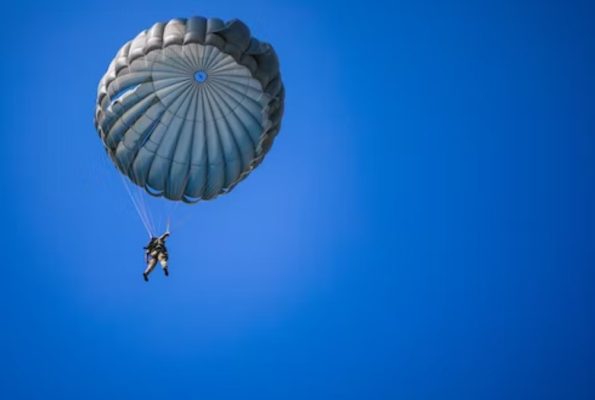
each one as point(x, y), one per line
point(189, 107)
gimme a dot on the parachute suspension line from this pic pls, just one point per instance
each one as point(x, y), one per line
point(183, 215)
point(170, 213)
point(137, 206)
point(140, 196)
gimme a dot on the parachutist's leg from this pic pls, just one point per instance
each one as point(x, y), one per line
point(163, 261)
point(150, 265)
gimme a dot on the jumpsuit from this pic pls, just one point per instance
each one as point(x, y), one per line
point(156, 251)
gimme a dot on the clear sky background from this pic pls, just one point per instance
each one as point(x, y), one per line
point(423, 228)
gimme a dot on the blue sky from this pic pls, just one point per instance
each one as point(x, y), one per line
point(423, 228)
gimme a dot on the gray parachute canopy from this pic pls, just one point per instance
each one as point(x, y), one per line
point(190, 107)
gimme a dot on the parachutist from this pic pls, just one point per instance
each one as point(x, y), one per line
point(156, 251)
point(188, 122)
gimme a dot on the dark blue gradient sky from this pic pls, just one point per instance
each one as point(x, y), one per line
point(423, 228)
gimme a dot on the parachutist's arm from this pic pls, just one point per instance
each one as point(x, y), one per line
point(164, 236)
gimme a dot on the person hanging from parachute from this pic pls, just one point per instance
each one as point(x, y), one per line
point(186, 110)
point(156, 251)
